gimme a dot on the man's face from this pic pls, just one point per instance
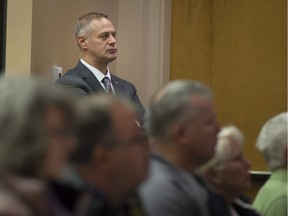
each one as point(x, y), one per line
point(131, 154)
point(201, 131)
point(60, 141)
point(100, 43)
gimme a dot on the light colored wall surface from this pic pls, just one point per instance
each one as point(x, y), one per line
point(53, 40)
point(18, 37)
point(143, 38)
point(144, 44)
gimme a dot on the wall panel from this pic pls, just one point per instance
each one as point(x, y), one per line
point(239, 48)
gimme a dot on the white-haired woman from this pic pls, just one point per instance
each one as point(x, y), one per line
point(226, 176)
point(271, 199)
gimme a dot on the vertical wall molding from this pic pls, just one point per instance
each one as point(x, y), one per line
point(3, 20)
point(144, 29)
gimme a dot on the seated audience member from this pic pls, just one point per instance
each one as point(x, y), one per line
point(183, 126)
point(110, 161)
point(271, 199)
point(36, 125)
point(226, 176)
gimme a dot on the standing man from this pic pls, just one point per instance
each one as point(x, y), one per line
point(96, 39)
point(183, 127)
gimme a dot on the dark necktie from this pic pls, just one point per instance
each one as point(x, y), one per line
point(107, 84)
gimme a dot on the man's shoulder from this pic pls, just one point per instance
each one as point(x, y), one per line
point(73, 82)
point(165, 192)
point(75, 74)
point(164, 176)
point(70, 74)
point(71, 78)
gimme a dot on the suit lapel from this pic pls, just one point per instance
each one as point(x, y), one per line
point(116, 84)
point(89, 77)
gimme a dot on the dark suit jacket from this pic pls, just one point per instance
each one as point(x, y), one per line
point(218, 206)
point(83, 199)
point(81, 81)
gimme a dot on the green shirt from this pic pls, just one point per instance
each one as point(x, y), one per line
point(271, 200)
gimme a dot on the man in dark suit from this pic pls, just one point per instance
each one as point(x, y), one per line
point(95, 35)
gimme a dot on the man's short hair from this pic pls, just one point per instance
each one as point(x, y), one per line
point(82, 25)
point(95, 125)
point(171, 105)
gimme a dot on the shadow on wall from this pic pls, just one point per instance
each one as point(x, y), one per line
point(3, 17)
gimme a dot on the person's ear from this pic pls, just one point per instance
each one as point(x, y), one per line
point(179, 133)
point(82, 42)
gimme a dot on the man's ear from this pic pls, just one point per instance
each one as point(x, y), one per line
point(178, 134)
point(82, 42)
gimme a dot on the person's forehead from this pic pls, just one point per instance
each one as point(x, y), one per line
point(126, 127)
point(102, 24)
point(200, 99)
point(202, 104)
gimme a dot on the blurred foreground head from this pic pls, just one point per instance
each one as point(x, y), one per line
point(181, 117)
point(112, 154)
point(228, 171)
point(272, 141)
point(36, 128)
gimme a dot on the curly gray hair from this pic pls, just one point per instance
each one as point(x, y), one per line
point(229, 138)
point(272, 141)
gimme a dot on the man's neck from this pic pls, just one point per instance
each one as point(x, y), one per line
point(175, 156)
point(101, 66)
point(100, 182)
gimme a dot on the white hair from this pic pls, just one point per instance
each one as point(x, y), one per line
point(229, 138)
point(272, 141)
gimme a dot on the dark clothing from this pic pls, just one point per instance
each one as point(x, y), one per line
point(218, 206)
point(99, 205)
point(81, 81)
point(23, 196)
point(87, 200)
point(171, 191)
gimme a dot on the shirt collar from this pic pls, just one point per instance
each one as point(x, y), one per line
point(98, 74)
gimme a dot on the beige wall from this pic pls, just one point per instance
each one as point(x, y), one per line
point(53, 41)
point(48, 39)
point(18, 38)
point(144, 44)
